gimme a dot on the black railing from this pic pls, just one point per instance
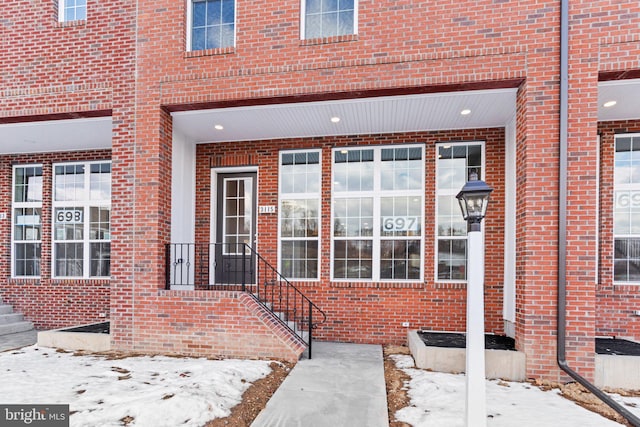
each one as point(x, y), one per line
point(237, 266)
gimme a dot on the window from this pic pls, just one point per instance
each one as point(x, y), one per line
point(455, 162)
point(72, 10)
point(81, 220)
point(27, 220)
point(626, 226)
point(212, 24)
point(300, 177)
point(327, 18)
point(377, 215)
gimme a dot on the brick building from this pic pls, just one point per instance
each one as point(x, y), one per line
point(143, 144)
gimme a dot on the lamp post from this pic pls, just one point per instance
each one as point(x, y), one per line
point(473, 199)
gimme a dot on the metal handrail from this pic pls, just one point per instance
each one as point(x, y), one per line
point(237, 266)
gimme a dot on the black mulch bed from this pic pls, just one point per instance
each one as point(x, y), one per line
point(612, 346)
point(456, 340)
point(617, 346)
point(96, 328)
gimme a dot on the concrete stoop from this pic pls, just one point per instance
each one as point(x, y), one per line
point(616, 371)
point(11, 322)
point(71, 341)
point(504, 364)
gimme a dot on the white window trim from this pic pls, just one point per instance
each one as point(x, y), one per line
point(375, 194)
point(303, 20)
point(435, 211)
point(61, 4)
point(613, 206)
point(19, 205)
point(86, 204)
point(189, 25)
point(298, 196)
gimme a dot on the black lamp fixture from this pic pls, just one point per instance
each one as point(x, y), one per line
point(473, 200)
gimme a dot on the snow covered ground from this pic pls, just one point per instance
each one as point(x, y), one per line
point(438, 399)
point(163, 391)
point(151, 391)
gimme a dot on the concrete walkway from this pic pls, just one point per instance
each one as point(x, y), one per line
point(17, 340)
point(343, 385)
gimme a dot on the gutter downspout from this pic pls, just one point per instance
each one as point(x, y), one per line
point(562, 225)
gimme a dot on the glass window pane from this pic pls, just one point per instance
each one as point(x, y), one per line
point(329, 24)
point(228, 11)
point(199, 12)
point(313, 26)
point(214, 12)
point(69, 258)
point(313, 6)
point(329, 5)
point(100, 259)
point(198, 39)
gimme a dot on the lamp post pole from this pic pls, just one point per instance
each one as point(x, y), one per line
point(476, 412)
point(473, 199)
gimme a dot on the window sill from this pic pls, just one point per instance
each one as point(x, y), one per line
point(210, 52)
point(329, 40)
point(450, 285)
point(379, 285)
point(78, 23)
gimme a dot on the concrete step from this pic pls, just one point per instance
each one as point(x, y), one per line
point(6, 309)
point(6, 319)
point(13, 328)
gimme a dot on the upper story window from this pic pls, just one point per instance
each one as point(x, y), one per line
point(72, 10)
point(328, 18)
point(27, 221)
point(300, 179)
point(211, 24)
point(455, 163)
point(626, 227)
point(81, 219)
point(378, 213)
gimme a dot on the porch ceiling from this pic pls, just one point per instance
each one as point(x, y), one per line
point(55, 135)
point(387, 114)
point(626, 93)
point(401, 113)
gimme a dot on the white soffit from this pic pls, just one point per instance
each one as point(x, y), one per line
point(389, 114)
point(625, 93)
point(55, 135)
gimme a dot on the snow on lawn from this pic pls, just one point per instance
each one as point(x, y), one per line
point(153, 391)
point(438, 399)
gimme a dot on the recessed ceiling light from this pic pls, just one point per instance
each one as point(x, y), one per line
point(465, 112)
point(335, 119)
point(219, 127)
point(609, 104)
point(344, 151)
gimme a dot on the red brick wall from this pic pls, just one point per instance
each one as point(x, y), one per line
point(615, 303)
point(47, 67)
point(211, 323)
point(48, 302)
point(361, 311)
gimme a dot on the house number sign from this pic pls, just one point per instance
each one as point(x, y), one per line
point(625, 199)
point(69, 216)
point(267, 209)
point(400, 223)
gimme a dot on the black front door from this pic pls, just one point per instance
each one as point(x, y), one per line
point(235, 228)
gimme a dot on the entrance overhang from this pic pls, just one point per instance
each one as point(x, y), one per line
point(373, 115)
